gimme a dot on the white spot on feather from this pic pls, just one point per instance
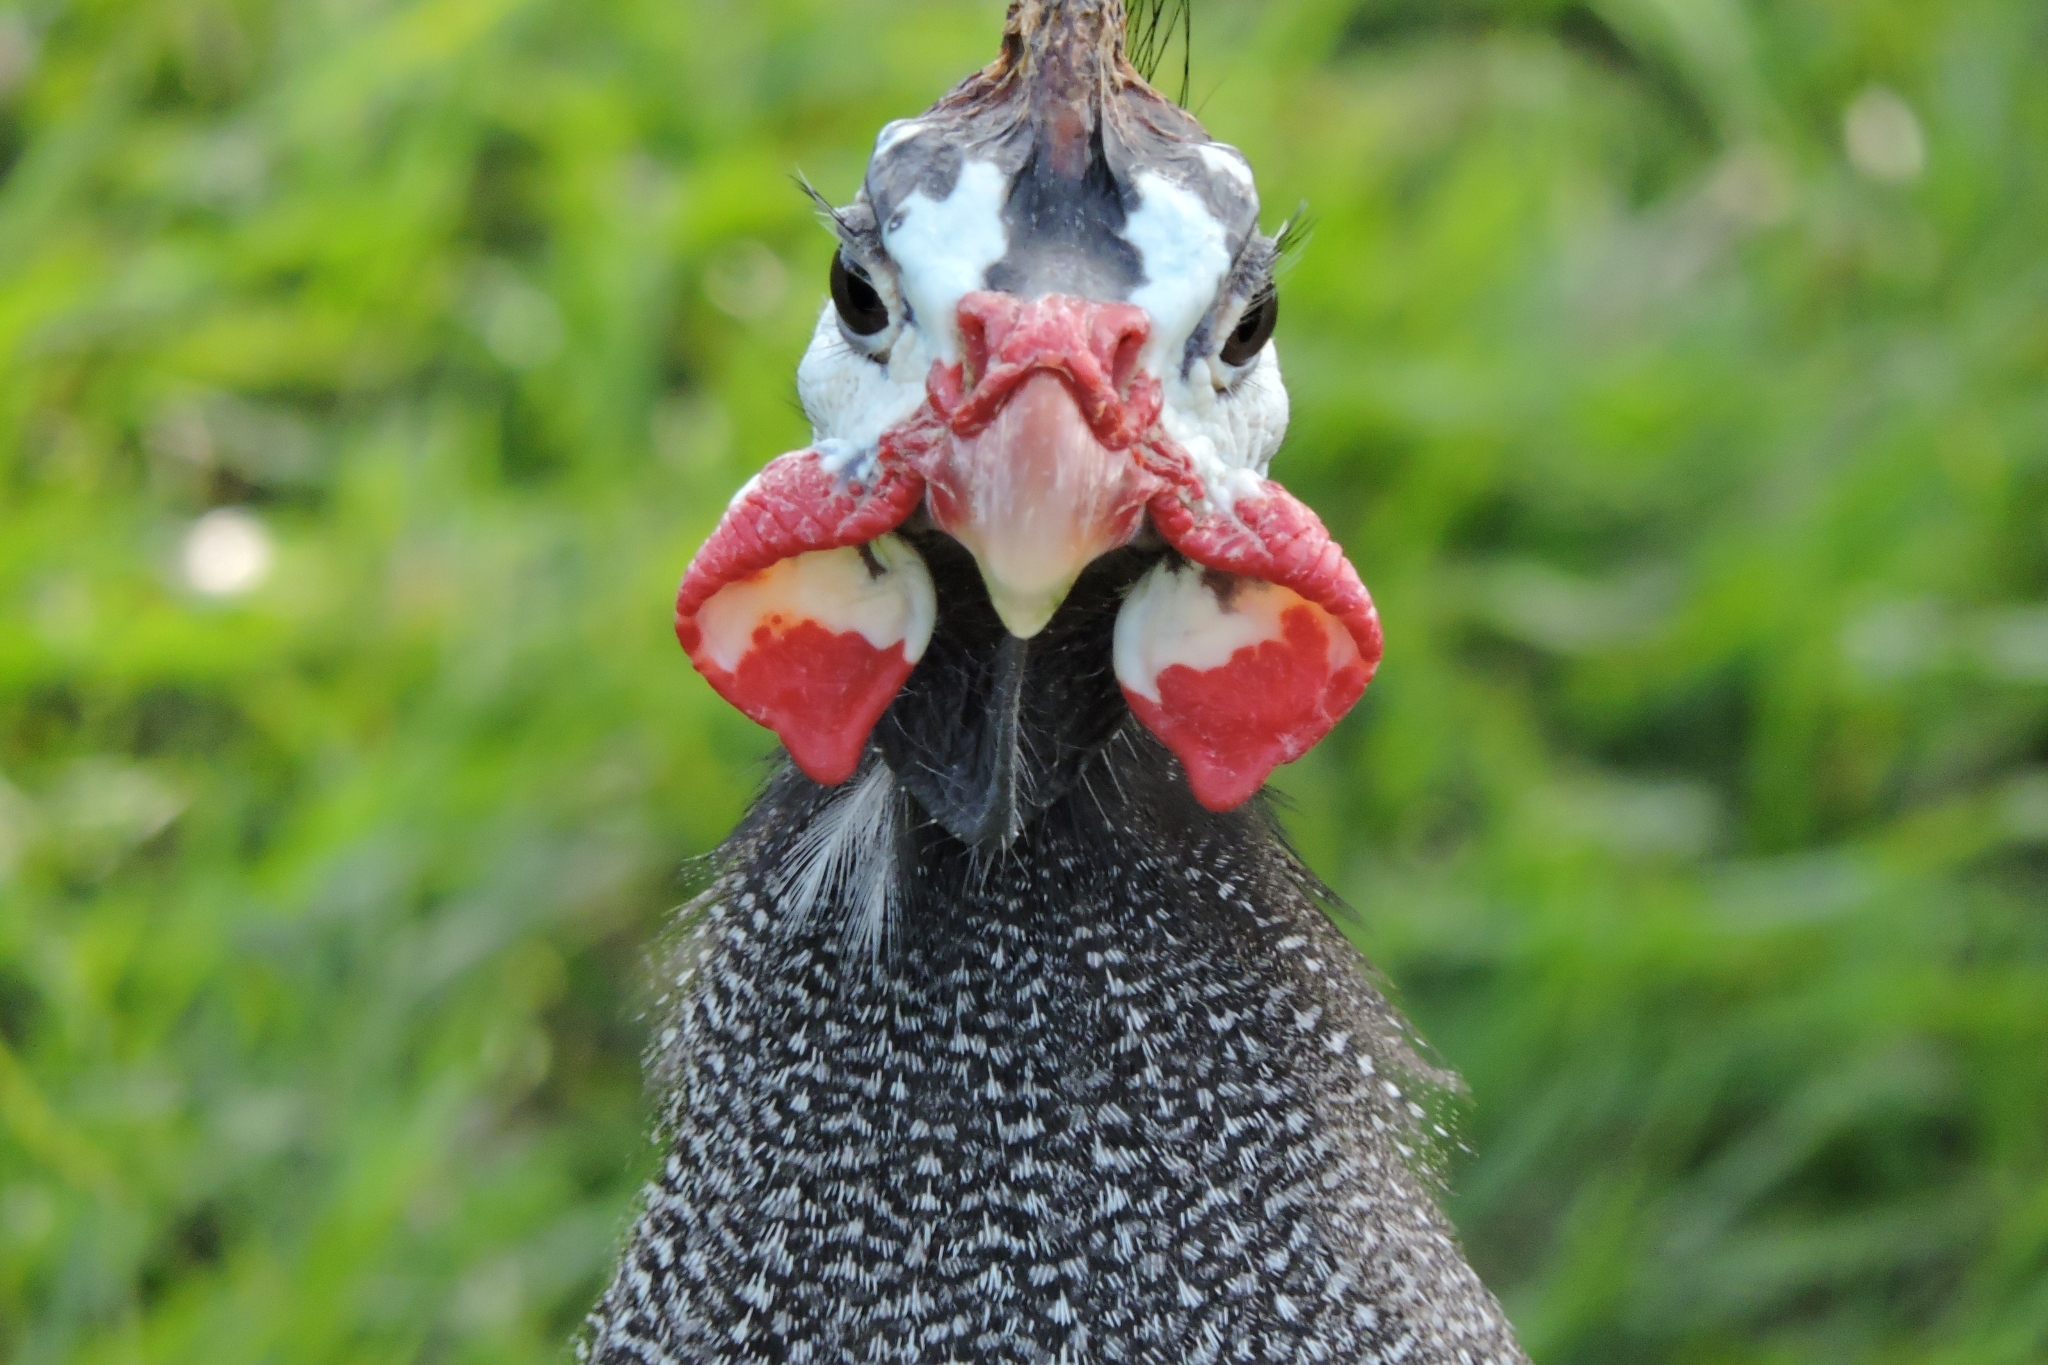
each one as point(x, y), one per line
point(848, 854)
point(1225, 159)
point(897, 131)
point(1185, 253)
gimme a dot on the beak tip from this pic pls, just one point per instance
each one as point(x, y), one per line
point(1025, 614)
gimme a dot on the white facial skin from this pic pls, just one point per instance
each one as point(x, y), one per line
point(838, 589)
point(1174, 618)
point(1229, 419)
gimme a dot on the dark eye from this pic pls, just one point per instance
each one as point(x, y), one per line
point(1253, 330)
point(860, 307)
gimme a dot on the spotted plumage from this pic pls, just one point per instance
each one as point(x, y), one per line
point(1120, 1093)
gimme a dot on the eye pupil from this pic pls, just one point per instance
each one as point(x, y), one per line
point(1253, 330)
point(860, 305)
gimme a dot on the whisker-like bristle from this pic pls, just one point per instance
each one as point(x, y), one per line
point(1149, 30)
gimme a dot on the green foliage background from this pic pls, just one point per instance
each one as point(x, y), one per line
point(1699, 815)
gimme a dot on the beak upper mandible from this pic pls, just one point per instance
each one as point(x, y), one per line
point(1039, 479)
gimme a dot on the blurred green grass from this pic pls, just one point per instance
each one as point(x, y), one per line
point(1673, 370)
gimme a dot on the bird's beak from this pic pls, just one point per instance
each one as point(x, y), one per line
point(1039, 479)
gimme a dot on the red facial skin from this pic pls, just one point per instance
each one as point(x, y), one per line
point(794, 505)
point(1230, 725)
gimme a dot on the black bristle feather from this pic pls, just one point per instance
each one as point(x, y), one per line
point(938, 735)
point(1149, 29)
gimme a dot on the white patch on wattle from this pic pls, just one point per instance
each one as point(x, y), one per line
point(833, 588)
point(1172, 617)
point(846, 460)
point(943, 249)
point(1232, 484)
point(1185, 253)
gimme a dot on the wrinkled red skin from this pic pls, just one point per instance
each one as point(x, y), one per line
point(1274, 536)
point(820, 691)
point(1230, 725)
point(1272, 702)
point(1092, 346)
point(794, 505)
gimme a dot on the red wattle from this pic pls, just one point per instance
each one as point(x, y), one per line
point(820, 692)
point(794, 504)
point(1268, 704)
point(1271, 701)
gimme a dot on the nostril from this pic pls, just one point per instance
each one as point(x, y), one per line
point(1124, 362)
point(983, 318)
point(1119, 333)
point(1096, 344)
point(973, 347)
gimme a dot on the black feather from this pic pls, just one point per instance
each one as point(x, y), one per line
point(949, 732)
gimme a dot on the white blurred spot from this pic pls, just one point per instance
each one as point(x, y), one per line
point(17, 828)
point(1530, 601)
point(692, 430)
point(490, 1296)
point(2023, 806)
point(1895, 641)
point(17, 52)
point(2013, 643)
point(27, 1214)
point(1883, 137)
point(227, 552)
point(1751, 187)
point(747, 280)
point(181, 432)
point(519, 324)
point(64, 611)
point(1630, 815)
point(102, 807)
point(229, 171)
point(259, 1122)
point(1802, 888)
